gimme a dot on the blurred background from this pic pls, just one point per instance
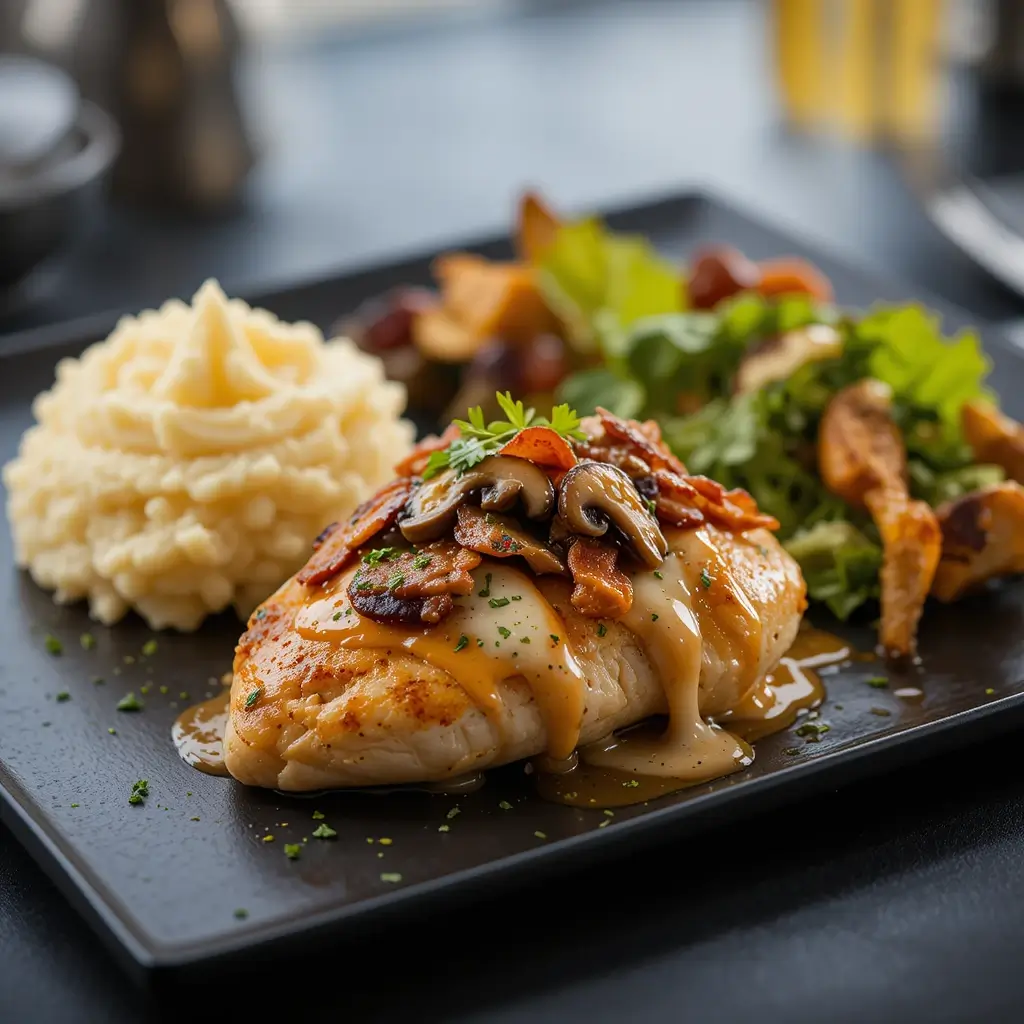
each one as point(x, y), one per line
point(146, 145)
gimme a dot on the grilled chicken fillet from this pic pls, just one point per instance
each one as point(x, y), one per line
point(326, 696)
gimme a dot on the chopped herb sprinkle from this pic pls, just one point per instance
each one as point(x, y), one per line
point(463, 643)
point(63, 696)
point(164, 689)
point(479, 642)
point(254, 696)
point(88, 641)
point(651, 505)
point(658, 575)
point(378, 555)
point(504, 805)
point(602, 629)
point(384, 841)
point(390, 876)
point(241, 913)
point(486, 592)
point(292, 850)
point(149, 648)
point(989, 690)
point(454, 812)
point(813, 731)
point(74, 805)
point(318, 815)
point(140, 790)
point(540, 835)
point(555, 637)
point(112, 731)
point(505, 632)
point(53, 645)
point(524, 639)
point(654, 616)
point(498, 602)
point(631, 783)
point(268, 839)
point(144, 688)
point(97, 680)
point(336, 616)
point(395, 580)
point(129, 702)
point(706, 579)
point(444, 828)
point(324, 831)
point(421, 561)
point(193, 819)
point(878, 682)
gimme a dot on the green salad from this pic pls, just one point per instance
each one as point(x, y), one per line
point(649, 356)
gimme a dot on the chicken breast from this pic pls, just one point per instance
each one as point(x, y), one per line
point(323, 697)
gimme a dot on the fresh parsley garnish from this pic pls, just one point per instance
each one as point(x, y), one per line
point(395, 580)
point(323, 832)
point(462, 644)
point(486, 591)
point(878, 682)
point(498, 602)
point(479, 438)
point(378, 555)
point(53, 645)
point(140, 790)
point(706, 579)
point(421, 561)
point(293, 850)
point(149, 648)
point(505, 632)
point(88, 641)
point(254, 696)
point(63, 696)
point(602, 629)
point(129, 702)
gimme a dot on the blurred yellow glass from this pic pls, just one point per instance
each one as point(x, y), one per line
point(867, 69)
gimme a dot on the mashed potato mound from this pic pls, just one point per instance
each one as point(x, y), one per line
point(188, 462)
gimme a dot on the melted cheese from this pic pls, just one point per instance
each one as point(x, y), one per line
point(663, 617)
point(510, 631)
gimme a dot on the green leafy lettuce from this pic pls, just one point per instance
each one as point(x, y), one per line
point(653, 357)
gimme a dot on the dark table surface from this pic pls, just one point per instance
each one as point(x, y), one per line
point(900, 898)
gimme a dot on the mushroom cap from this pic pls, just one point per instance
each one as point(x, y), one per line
point(593, 495)
point(501, 480)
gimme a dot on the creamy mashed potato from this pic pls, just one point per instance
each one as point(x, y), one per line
point(187, 462)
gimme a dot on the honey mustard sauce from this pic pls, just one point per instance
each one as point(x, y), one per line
point(504, 629)
point(777, 699)
point(198, 733)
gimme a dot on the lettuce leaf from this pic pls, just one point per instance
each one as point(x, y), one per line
point(590, 275)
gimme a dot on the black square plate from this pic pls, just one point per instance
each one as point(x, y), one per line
point(162, 883)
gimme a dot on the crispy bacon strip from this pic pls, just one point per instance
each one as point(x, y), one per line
point(543, 446)
point(502, 537)
point(416, 584)
point(602, 590)
point(643, 438)
point(733, 510)
point(416, 461)
point(338, 545)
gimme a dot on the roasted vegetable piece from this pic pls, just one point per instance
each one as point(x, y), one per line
point(860, 448)
point(911, 545)
point(718, 274)
point(781, 356)
point(480, 300)
point(788, 275)
point(994, 438)
point(982, 539)
point(536, 228)
point(862, 459)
